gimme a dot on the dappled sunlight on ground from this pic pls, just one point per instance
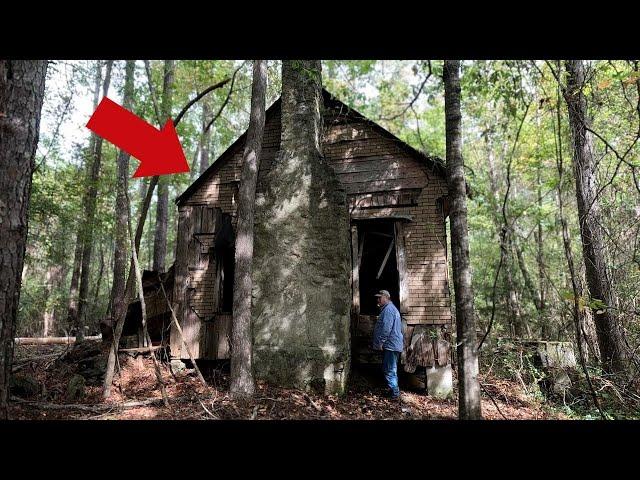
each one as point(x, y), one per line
point(189, 399)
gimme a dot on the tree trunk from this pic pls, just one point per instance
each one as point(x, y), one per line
point(468, 384)
point(94, 309)
point(242, 381)
point(514, 313)
point(194, 163)
point(513, 302)
point(544, 331)
point(206, 137)
point(55, 273)
point(119, 314)
point(21, 96)
point(72, 309)
point(162, 206)
point(531, 288)
point(90, 201)
point(610, 336)
point(121, 230)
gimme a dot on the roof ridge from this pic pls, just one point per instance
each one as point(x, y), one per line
point(435, 161)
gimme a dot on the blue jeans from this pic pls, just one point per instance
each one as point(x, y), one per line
point(390, 370)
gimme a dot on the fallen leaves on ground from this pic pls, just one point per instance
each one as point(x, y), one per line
point(189, 399)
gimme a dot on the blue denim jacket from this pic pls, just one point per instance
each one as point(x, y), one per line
point(387, 333)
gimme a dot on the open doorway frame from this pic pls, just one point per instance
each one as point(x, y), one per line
point(381, 243)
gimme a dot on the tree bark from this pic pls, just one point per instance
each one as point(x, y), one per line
point(242, 381)
point(90, 201)
point(119, 314)
point(94, 309)
point(162, 206)
point(516, 323)
point(143, 308)
point(55, 273)
point(513, 302)
point(121, 230)
point(72, 309)
point(21, 97)
point(613, 353)
point(530, 286)
point(206, 137)
point(468, 384)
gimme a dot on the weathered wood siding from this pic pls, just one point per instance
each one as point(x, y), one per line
point(380, 178)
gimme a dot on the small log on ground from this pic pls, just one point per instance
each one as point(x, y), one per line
point(141, 349)
point(51, 340)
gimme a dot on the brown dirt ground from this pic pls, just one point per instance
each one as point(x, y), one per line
point(189, 399)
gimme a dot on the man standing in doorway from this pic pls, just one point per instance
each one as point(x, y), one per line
point(387, 336)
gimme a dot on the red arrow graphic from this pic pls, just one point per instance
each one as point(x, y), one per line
point(159, 151)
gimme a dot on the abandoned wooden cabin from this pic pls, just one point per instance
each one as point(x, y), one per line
point(396, 200)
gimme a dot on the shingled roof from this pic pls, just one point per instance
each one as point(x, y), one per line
point(433, 162)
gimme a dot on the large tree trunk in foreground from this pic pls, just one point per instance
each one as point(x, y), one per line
point(468, 384)
point(21, 96)
point(162, 207)
point(121, 233)
point(242, 381)
point(610, 338)
point(90, 201)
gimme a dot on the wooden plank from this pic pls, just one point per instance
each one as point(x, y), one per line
point(355, 276)
point(218, 337)
point(181, 271)
point(384, 185)
point(197, 218)
point(386, 257)
point(401, 260)
point(216, 294)
point(189, 321)
point(208, 221)
point(381, 173)
point(383, 214)
point(405, 197)
point(408, 333)
point(223, 336)
point(443, 352)
point(421, 349)
point(342, 165)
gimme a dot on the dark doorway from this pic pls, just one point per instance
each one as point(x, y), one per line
point(378, 266)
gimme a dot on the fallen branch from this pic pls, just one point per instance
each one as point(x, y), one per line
point(51, 340)
point(138, 274)
point(93, 408)
point(141, 349)
point(36, 359)
point(177, 324)
point(492, 400)
point(313, 404)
